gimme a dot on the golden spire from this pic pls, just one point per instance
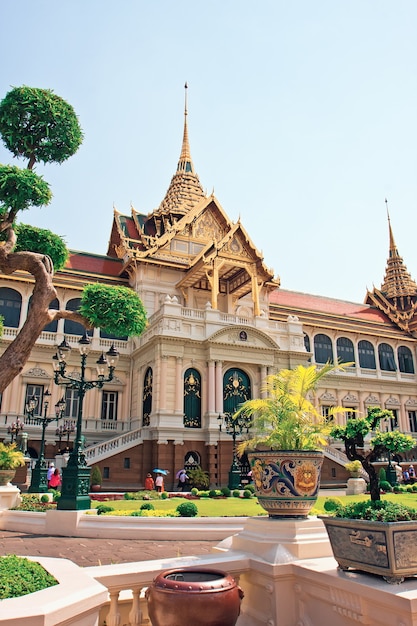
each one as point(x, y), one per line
point(185, 163)
point(397, 281)
point(185, 189)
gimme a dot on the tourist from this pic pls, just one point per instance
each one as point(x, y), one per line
point(50, 471)
point(412, 473)
point(159, 483)
point(182, 479)
point(149, 482)
point(55, 480)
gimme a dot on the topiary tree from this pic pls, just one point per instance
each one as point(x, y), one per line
point(353, 435)
point(38, 125)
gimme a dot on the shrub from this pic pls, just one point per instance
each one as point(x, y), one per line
point(378, 511)
point(203, 494)
point(226, 491)
point(198, 478)
point(44, 498)
point(194, 491)
point(247, 494)
point(251, 487)
point(31, 502)
point(19, 576)
point(187, 509)
point(95, 476)
point(332, 504)
point(382, 475)
point(236, 493)
point(385, 485)
point(147, 506)
point(164, 495)
point(213, 493)
point(136, 514)
point(353, 466)
point(103, 508)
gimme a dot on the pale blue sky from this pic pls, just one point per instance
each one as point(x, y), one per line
point(302, 117)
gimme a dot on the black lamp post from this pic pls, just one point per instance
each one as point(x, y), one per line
point(76, 475)
point(39, 481)
point(15, 428)
point(234, 427)
point(67, 428)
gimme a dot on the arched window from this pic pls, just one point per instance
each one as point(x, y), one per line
point(10, 306)
point(71, 327)
point(386, 357)
point(405, 360)
point(307, 342)
point(147, 397)
point(236, 389)
point(323, 351)
point(366, 355)
point(192, 398)
point(345, 351)
point(52, 326)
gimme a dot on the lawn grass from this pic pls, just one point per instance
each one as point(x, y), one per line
point(241, 507)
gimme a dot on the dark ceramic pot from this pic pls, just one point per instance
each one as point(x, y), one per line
point(197, 597)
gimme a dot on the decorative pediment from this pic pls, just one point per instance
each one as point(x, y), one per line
point(350, 399)
point(328, 397)
point(37, 372)
point(245, 337)
point(373, 400)
point(392, 402)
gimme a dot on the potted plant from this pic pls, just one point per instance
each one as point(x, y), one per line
point(96, 478)
point(287, 435)
point(375, 536)
point(354, 468)
point(10, 459)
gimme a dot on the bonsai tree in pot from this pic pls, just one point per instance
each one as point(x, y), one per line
point(287, 435)
point(374, 535)
point(10, 459)
point(96, 478)
point(353, 435)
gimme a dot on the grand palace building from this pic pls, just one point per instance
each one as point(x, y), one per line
point(218, 324)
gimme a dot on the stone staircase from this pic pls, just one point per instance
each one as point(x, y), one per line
point(102, 451)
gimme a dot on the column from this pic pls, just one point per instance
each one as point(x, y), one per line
point(219, 387)
point(179, 386)
point(211, 390)
point(162, 381)
point(264, 374)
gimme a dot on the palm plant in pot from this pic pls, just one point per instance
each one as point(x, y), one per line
point(375, 535)
point(288, 433)
point(10, 459)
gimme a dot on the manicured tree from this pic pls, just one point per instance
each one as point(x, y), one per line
point(39, 126)
point(353, 435)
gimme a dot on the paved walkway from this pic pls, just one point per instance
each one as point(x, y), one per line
point(87, 552)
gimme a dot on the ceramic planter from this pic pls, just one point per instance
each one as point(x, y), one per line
point(385, 548)
point(6, 476)
point(201, 597)
point(286, 481)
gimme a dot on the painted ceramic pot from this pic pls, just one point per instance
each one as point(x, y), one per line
point(201, 597)
point(286, 482)
point(6, 476)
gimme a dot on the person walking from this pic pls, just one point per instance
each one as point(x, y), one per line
point(159, 483)
point(182, 479)
point(149, 482)
point(50, 471)
point(55, 480)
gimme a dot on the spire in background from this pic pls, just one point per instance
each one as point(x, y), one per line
point(185, 163)
point(185, 189)
point(397, 281)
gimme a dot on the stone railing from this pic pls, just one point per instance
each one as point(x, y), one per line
point(108, 448)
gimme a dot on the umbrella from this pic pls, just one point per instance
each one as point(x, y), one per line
point(181, 471)
point(160, 471)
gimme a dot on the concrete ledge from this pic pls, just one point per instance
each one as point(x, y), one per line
point(79, 524)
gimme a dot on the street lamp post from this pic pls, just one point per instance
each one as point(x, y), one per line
point(39, 481)
point(15, 429)
point(234, 427)
point(76, 475)
point(67, 428)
